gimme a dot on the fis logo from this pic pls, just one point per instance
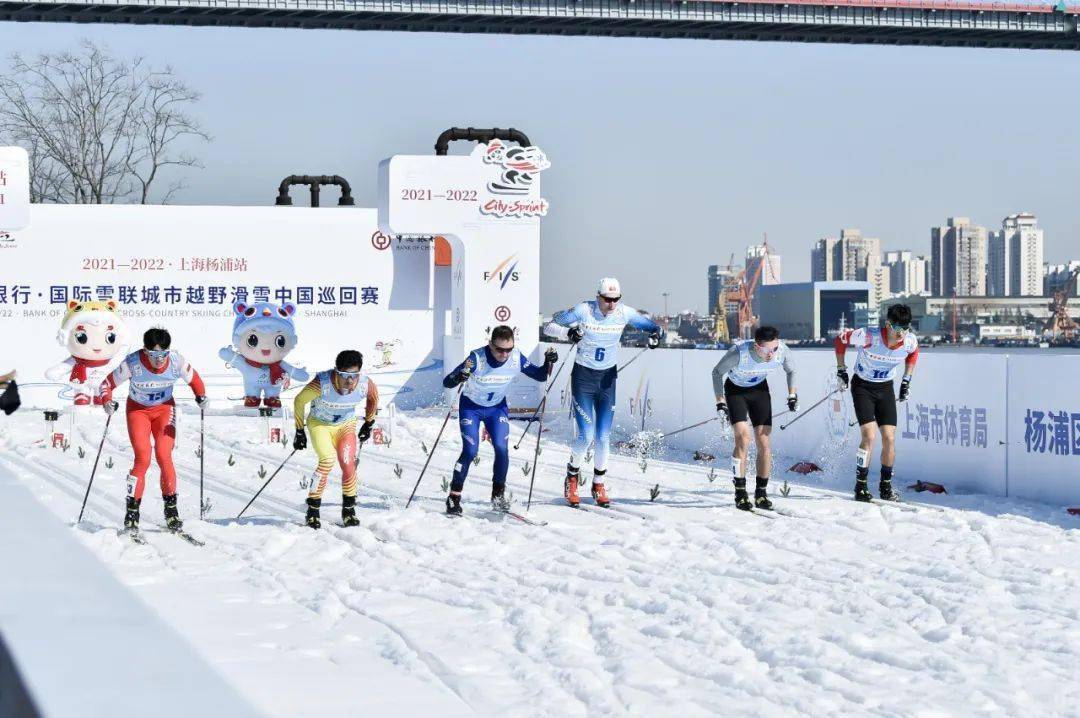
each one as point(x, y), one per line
point(505, 272)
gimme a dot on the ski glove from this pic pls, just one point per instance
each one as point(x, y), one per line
point(842, 375)
point(905, 388)
point(654, 340)
point(9, 398)
point(110, 407)
point(299, 441)
point(575, 334)
point(466, 370)
point(793, 402)
point(365, 430)
point(203, 401)
point(722, 411)
point(550, 357)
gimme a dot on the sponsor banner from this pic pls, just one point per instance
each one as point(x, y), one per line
point(184, 268)
point(953, 430)
point(1044, 428)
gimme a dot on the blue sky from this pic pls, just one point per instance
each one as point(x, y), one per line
point(668, 155)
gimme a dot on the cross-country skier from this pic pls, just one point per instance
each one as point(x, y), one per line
point(334, 396)
point(743, 398)
point(881, 350)
point(151, 415)
point(596, 326)
point(487, 373)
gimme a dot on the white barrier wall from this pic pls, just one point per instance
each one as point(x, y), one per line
point(83, 645)
point(978, 422)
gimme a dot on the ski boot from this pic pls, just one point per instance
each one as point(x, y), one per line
point(453, 503)
point(348, 511)
point(599, 493)
point(742, 499)
point(312, 518)
point(273, 402)
point(131, 517)
point(251, 401)
point(499, 502)
point(886, 492)
point(862, 491)
point(570, 486)
point(761, 499)
point(172, 515)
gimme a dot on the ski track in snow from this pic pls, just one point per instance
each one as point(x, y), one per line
point(679, 606)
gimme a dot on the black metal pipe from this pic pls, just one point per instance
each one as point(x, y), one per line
point(314, 182)
point(472, 134)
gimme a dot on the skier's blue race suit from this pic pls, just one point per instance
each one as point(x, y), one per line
point(592, 382)
point(483, 401)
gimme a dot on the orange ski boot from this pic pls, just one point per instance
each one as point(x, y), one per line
point(570, 486)
point(599, 493)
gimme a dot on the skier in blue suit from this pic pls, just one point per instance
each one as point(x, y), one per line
point(596, 326)
point(487, 373)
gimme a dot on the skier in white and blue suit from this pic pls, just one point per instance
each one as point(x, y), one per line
point(487, 373)
point(596, 326)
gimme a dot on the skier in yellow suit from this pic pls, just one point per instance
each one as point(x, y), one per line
point(334, 396)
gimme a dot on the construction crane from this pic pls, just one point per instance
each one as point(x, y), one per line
point(747, 319)
point(1060, 324)
point(724, 299)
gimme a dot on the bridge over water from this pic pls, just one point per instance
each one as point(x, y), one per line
point(879, 22)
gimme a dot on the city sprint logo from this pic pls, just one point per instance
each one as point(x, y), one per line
point(505, 272)
point(7, 239)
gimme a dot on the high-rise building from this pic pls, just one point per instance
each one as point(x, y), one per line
point(1015, 258)
point(858, 259)
point(823, 260)
point(770, 270)
point(907, 273)
point(958, 259)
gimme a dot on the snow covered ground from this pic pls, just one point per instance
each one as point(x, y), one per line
point(681, 606)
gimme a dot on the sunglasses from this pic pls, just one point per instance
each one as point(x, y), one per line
point(765, 350)
point(348, 374)
point(610, 300)
point(501, 350)
point(900, 329)
point(157, 354)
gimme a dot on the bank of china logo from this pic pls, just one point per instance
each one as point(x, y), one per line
point(505, 272)
point(6, 236)
point(519, 165)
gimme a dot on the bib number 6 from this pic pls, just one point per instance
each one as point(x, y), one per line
point(600, 351)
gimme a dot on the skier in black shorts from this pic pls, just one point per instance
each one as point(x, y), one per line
point(881, 350)
point(742, 395)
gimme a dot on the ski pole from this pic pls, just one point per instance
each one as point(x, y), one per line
point(809, 409)
point(687, 428)
point(279, 468)
point(536, 456)
point(432, 452)
point(105, 433)
point(633, 358)
point(532, 418)
point(202, 451)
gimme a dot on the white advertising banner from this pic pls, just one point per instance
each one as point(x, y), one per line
point(14, 192)
point(1044, 428)
point(951, 431)
point(488, 207)
point(341, 283)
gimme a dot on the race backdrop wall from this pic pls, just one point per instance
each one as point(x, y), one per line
point(987, 423)
point(182, 268)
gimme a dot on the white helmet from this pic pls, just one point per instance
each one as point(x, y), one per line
point(609, 287)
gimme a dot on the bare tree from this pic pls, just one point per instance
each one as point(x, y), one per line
point(98, 130)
